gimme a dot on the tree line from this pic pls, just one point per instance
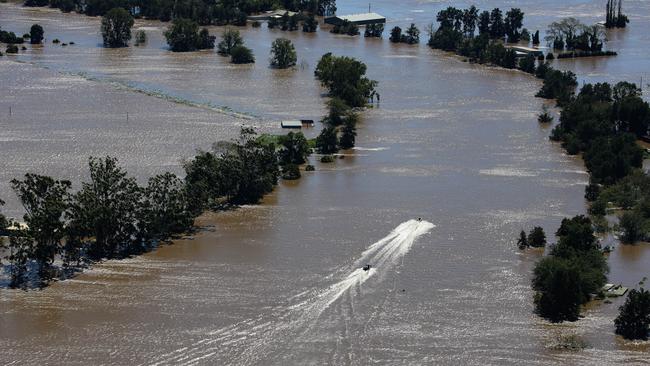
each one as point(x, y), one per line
point(479, 35)
point(204, 12)
point(603, 123)
point(112, 216)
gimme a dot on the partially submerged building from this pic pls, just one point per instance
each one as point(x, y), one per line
point(273, 14)
point(297, 123)
point(526, 51)
point(358, 19)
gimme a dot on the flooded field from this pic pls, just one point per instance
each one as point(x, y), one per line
point(277, 284)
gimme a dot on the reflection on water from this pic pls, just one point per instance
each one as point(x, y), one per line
point(453, 143)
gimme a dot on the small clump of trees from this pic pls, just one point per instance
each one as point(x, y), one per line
point(536, 239)
point(572, 35)
point(374, 30)
point(283, 54)
point(10, 38)
point(116, 28)
point(614, 17)
point(411, 36)
point(184, 36)
point(346, 27)
point(232, 44)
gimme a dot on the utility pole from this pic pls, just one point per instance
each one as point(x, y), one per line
point(368, 7)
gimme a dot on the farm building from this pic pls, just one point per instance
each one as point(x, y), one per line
point(358, 19)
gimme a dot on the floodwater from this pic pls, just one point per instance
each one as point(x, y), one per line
point(455, 144)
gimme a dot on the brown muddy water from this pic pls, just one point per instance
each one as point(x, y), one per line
point(279, 283)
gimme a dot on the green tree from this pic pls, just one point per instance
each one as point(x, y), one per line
point(632, 227)
point(241, 55)
point(183, 35)
point(229, 40)
point(537, 237)
point(166, 210)
point(205, 41)
point(557, 283)
point(337, 111)
point(283, 53)
point(116, 28)
point(294, 149)
point(310, 25)
point(36, 33)
point(349, 131)
point(633, 321)
point(522, 242)
point(327, 141)
point(45, 200)
point(497, 25)
point(412, 35)
point(107, 209)
point(396, 34)
point(20, 250)
point(344, 77)
point(374, 30)
point(527, 64)
point(513, 23)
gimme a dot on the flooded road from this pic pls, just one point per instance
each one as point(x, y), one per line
point(455, 144)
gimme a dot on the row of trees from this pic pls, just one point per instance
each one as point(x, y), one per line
point(614, 17)
point(458, 24)
point(602, 122)
point(572, 35)
point(35, 35)
point(204, 12)
point(111, 216)
point(457, 32)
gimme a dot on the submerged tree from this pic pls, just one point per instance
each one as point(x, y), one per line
point(344, 77)
point(36, 34)
point(45, 200)
point(183, 35)
point(107, 209)
point(229, 40)
point(614, 17)
point(327, 141)
point(241, 55)
point(116, 28)
point(283, 53)
point(633, 321)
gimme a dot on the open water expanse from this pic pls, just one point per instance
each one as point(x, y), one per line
point(279, 284)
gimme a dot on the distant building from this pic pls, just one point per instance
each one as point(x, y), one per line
point(358, 19)
point(297, 123)
point(277, 14)
point(525, 51)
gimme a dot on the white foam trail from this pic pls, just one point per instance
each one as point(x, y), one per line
point(249, 340)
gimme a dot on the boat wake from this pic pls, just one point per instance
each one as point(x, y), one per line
point(252, 340)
